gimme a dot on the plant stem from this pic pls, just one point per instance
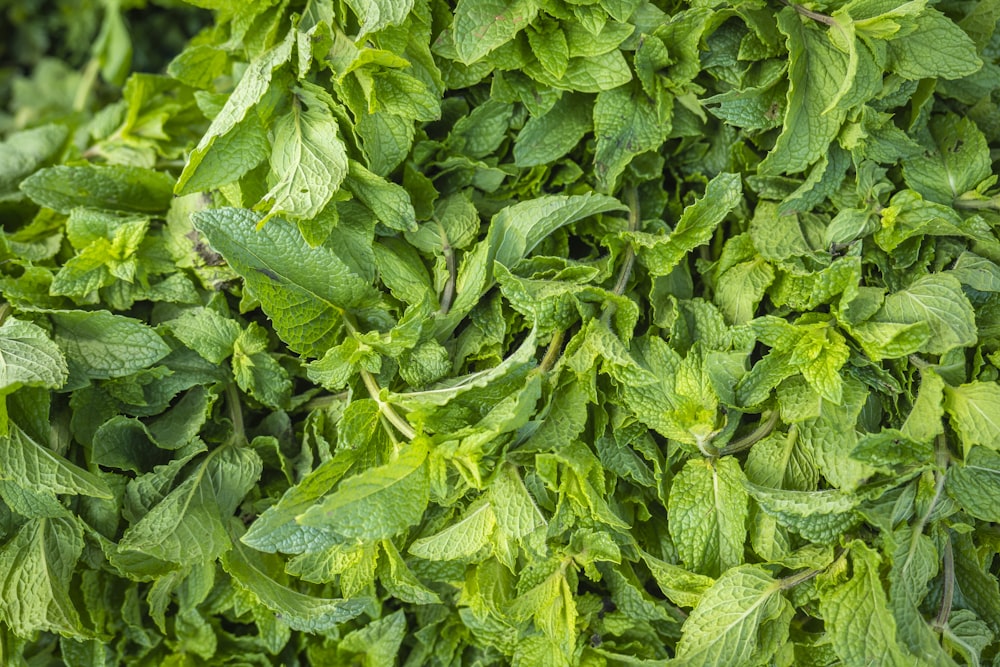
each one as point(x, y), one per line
point(762, 431)
point(632, 201)
point(552, 352)
point(942, 457)
point(86, 85)
point(808, 13)
point(449, 259)
point(390, 413)
point(233, 403)
point(796, 579)
point(375, 392)
point(324, 401)
point(948, 591)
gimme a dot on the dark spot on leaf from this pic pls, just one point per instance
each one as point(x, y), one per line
point(269, 273)
point(203, 250)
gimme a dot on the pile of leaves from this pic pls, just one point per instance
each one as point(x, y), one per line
point(489, 332)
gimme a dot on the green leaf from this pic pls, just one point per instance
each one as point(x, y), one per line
point(188, 525)
point(447, 391)
point(516, 230)
point(974, 410)
point(206, 332)
point(36, 571)
point(308, 163)
point(482, 26)
point(377, 14)
point(857, 617)
point(626, 123)
point(696, 226)
point(976, 484)
point(515, 511)
point(276, 529)
point(938, 301)
point(262, 577)
point(461, 539)
point(102, 345)
point(683, 587)
point(405, 96)
point(33, 465)
point(29, 358)
point(378, 503)
point(708, 510)
point(113, 188)
point(388, 201)
point(546, 138)
point(958, 161)
point(22, 153)
point(399, 579)
point(952, 56)
point(819, 516)
point(725, 625)
point(227, 135)
point(305, 291)
point(816, 71)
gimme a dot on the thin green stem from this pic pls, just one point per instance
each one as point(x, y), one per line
point(86, 85)
point(762, 431)
point(4, 312)
point(948, 589)
point(325, 401)
point(634, 218)
point(448, 293)
point(942, 459)
point(796, 579)
point(233, 403)
point(552, 352)
point(375, 392)
point(808, 13)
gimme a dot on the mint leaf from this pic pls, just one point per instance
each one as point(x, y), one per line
point(483, 25)
point(499, 331)
point(974, 409)
point(31, 464)
point(24, 152)
point(976, 484)
point(29, 358)
point(462, 539)
point(546, 138)
point(816, 71)
point(860, 625)
point(957, 162)
point(102, 345)
point(937, 301)
point(257, 574)
point(728, 617)
point(911, 58)
point(305, 291)
point(378, 503)
point(228, 129)
point(709, 509)
point(695, 227)
point(308, 162)
point(377, 14)
point(36, 566)
point(188, 525)
point(113, 188)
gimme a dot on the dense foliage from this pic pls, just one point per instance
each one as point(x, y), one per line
point(488, 332)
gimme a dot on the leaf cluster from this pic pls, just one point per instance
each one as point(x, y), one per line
point(488, 332)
